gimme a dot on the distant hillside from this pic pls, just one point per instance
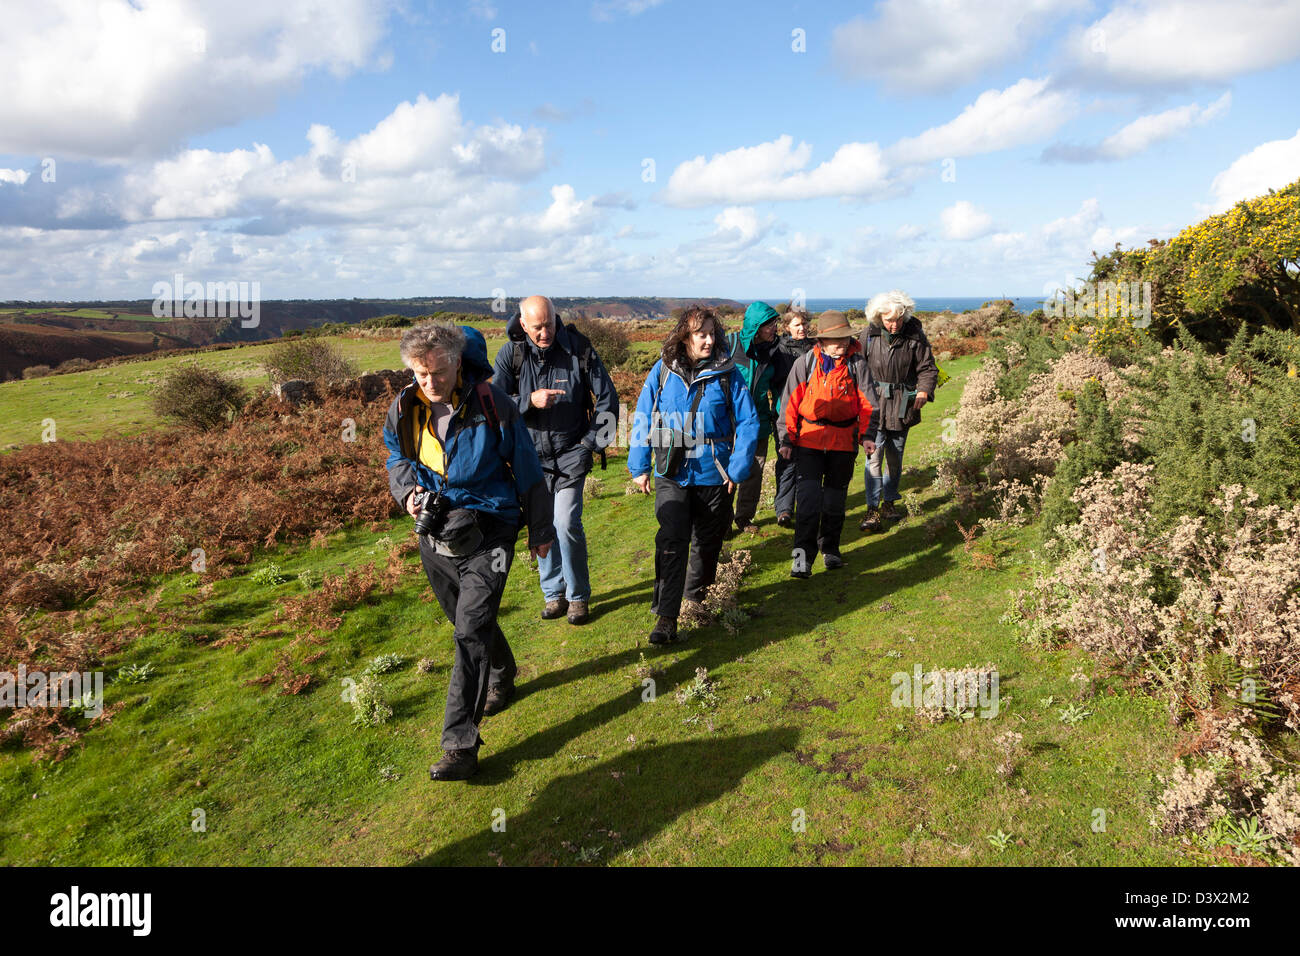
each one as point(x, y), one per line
point(47, 333)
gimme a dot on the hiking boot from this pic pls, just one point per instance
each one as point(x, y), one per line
point(785, 519)
point(799, 569)
point(557, 608)
point(665, 631)
point(578, 612)
point(832, 561)
point(892, 511)
point(456, 765)
point(498, 698)
point(871, 523)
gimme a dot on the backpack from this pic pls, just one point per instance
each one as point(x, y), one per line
point(809, 358)
point(584, 365)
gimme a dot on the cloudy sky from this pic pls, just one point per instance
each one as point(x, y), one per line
point(338, 148)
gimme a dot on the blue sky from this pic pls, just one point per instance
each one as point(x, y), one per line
point(376, 148)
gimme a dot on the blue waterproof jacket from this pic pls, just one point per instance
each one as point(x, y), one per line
point(716, 450)
point(492, 470)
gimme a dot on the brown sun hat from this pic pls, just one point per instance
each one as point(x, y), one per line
point(833, 325)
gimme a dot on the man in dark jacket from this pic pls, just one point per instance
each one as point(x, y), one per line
point(902, 363)
point(789, 349)
point(753, 350)
point(560, 386)
point(452, 433)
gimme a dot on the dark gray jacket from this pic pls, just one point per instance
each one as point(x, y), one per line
point(582, 422)
point(901, 369)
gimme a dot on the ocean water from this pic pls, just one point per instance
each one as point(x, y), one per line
point(1023, 303)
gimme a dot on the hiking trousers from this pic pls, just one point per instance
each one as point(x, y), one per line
point(822, 490)
point(692, 522)
point(469, 590)
point(749, 490)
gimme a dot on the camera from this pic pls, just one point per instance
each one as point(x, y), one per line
point(433, 509)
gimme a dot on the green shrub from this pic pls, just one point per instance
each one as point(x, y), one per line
point(1024, 351)
point(369, 705)
point(640, 361)
point(1209, 421)
point(199, 397)
point(1098, 447)
point(386, 322)
point(309, 359)
point(609, 339)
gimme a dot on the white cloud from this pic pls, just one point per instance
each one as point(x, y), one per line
point(964, 220)
point(908, 232)
point(1142, 133)
point(18, 176)
point(421, 156)
point(1182, 42)
point(776, 171)
point(567, 213)
point(738, 224)
point(997, 120)
point(1268, 166)
point(115, 79)
point(937, 44)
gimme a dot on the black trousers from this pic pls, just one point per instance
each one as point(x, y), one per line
point(784, 484)
point(822, 489)
point(469, 590)
point(692, 520)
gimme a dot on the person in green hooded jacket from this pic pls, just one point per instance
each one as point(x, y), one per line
point(753, 350)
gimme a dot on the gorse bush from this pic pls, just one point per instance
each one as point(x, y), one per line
point(1207, 421)
point(608, 338)
point(199, 397)
point(309, 359)
point(1098, 447)
point(36, 371)
point(1231, 271)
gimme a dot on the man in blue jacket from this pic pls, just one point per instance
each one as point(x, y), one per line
point(568, 402)
point(696, 394)
point(452, 434)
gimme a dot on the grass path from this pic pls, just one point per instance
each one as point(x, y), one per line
point(581, 768)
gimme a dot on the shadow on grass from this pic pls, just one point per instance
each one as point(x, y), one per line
point(618, 804)
point(825, 596)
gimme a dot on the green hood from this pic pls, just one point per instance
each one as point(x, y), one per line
point(756, 316)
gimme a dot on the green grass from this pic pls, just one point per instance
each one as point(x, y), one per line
point(88, 314)
point(581, 767)
point(82, 409)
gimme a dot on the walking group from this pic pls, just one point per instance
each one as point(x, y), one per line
point(479, 451)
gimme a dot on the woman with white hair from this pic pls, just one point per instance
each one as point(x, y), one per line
point(902, 364)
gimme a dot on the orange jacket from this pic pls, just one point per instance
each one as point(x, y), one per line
point(829, 411)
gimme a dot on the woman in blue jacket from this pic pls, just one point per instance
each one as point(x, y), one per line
point(695, 408)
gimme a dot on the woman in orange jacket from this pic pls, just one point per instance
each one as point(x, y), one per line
point(829, 407)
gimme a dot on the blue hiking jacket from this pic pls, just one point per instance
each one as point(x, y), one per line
point(715, 449)
point(493, 470)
